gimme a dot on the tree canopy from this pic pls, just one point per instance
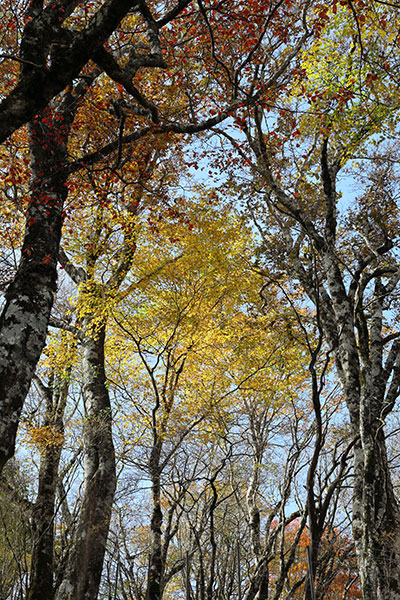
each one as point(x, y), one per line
point(199, 335)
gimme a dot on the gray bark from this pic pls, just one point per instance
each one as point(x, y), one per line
point(356, 337)
point(42, 563)
point(376, 515)
point(29, 298)
point(156, 566)
point(82, 574)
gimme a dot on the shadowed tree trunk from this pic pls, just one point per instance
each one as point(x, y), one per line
point(156, 567)
point(29, 298)
point(42, 567)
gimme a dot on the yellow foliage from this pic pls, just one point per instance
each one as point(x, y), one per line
point(184, 348)
point(347, 101)
point(60, 353)
point(42, 438)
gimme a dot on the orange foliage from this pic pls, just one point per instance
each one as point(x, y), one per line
point(337, 569)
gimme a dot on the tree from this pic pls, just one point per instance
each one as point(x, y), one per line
point(51, 45)
point(350, 276)
point(155, 106)
point(15, 513)
point(171, 326)
point(50, 437)
point(94, 151)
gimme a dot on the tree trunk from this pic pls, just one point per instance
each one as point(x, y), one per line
point(259, 584)
point(352, 294)
point(42, 569)
point(370, 387)
point(29, 298)
point(82, 575)
point(156, 567)
point(376, 517)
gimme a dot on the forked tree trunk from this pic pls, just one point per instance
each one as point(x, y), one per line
point(352, 296)
point(371, 384)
